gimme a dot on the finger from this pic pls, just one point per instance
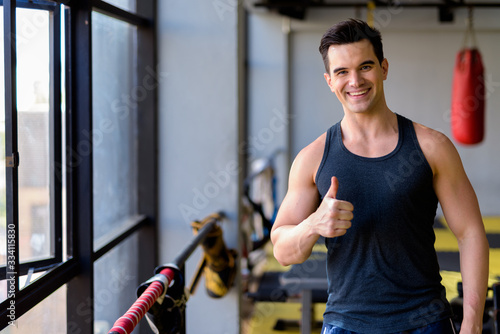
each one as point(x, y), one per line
point(342, 224)
point(337, 232)
point(344, 205)
point(343, 215)
point(340, 232)
point(334, 187)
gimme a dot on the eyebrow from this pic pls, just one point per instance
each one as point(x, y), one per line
point(366, 62)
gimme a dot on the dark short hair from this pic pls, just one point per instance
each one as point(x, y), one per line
point(350, 31)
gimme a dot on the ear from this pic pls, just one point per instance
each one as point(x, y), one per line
point(328, 80)
point(385, 68)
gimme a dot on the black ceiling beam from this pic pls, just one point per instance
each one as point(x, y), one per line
point(295, 4)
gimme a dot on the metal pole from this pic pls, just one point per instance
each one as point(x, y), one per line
point(181, 258)
point(129, 320)
point(189, 249)
point(496, 305)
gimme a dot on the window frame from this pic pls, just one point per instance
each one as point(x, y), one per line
point(77, 272)
point(11, 142)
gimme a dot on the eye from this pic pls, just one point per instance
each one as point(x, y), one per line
point(366, 67)
point(343, 72)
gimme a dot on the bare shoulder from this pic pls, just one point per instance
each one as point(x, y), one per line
point(436, 146)
point(307, 162)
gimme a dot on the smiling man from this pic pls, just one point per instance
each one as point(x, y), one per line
point(370, 186)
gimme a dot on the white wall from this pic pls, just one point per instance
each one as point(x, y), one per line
point(198, 136)
point(421, 54)
point(267, 76)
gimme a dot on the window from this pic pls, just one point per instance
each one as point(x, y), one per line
point(32, 129)
point(128, 5)
point(113, 125)
point(34, 111)
point(75, 203)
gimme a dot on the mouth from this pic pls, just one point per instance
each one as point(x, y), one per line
point(359, 93)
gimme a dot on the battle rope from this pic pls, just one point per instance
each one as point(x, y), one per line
point(126, 323)
point(163, 311)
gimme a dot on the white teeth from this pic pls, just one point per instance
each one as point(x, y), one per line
point(358, 93)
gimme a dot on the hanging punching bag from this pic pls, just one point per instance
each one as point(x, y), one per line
point(467, 107)
point(468, 99)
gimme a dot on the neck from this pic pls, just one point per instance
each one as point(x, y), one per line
point(369, 126)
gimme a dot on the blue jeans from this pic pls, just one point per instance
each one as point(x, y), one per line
point(441, 327)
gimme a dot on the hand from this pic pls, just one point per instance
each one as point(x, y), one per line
point(333, 217)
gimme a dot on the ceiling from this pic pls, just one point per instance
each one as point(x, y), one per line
point(297, 8)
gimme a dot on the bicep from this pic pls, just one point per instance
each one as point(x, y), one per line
point(301, 200)
point(297, 205)
point(455, 193)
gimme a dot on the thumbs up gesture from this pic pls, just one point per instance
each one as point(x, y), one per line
point(334, 187)
point(333, 217)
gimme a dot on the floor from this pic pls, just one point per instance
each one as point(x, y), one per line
point(268, 317)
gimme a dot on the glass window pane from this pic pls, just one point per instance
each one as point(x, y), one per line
point(115, 283)
point(128, 5)
point(114, 126)
point(49, 316)
point(33, 82)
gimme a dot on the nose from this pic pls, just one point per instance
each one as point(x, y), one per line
point(356, 79)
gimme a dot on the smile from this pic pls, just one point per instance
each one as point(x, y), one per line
point(359, 93)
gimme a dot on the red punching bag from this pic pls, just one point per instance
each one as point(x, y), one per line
point(468, 99)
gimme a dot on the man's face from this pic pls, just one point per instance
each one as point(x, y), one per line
point(356, 77)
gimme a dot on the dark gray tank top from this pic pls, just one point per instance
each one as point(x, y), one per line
point(383, 273)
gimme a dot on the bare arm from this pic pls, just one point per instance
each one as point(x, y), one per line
point(461, 210)
point(302, 219)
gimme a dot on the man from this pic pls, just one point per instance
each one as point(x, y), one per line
point(370, 186)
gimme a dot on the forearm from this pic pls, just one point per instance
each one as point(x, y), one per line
point(293, 243)
point(474, 263)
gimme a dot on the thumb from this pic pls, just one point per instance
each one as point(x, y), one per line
point(332, 192)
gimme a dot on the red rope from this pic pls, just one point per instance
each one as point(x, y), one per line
point(126, 323)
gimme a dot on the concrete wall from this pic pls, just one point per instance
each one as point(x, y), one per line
point(198, 139)
point(421, 54)
point(269, 121)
